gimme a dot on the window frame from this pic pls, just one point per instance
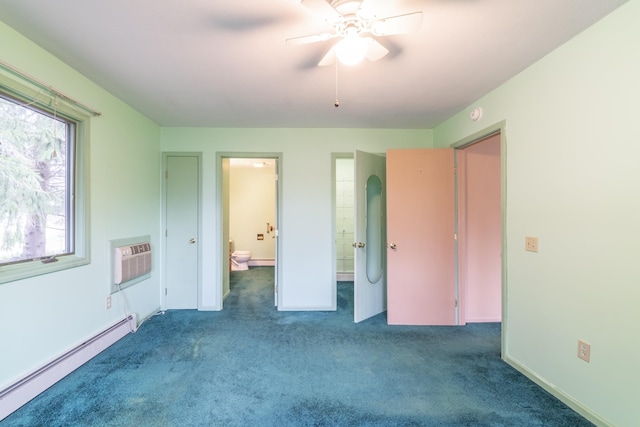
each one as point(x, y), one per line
point(51, 104)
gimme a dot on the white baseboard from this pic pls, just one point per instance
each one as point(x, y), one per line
point(25, 389)
point(484, 320)
point(559, 394)
point(262, 262)
point(344, 277)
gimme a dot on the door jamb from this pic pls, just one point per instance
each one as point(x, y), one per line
point(334, 251)
point(220, 262)
point(499, 127)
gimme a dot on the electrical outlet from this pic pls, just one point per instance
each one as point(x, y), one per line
point(584, 350)
point(108, 302)
point(531, 244)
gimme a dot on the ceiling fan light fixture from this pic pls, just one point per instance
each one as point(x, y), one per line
point(351, 50)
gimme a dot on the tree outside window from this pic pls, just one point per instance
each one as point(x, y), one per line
point(36, 170)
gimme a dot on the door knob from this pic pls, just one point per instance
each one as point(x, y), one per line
point(360, 245)
point(192, 240)
point(393, 246)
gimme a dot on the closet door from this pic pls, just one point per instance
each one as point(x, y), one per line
point(421, 286)
point(181, 235)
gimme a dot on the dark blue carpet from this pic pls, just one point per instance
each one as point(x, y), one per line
point(250, 365)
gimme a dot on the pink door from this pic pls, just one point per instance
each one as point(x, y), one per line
point(421, 286)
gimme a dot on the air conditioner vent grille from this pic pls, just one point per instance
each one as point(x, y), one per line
point(131, 261)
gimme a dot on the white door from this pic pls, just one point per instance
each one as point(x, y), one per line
point(181, 234)
point(370, 292)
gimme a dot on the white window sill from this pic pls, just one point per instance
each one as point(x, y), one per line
point(13, 272)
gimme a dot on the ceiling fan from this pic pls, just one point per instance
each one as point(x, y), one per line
point(356, 23)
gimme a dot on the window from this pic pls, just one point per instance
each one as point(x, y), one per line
point(42, 214)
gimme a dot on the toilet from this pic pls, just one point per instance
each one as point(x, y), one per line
point(240, 260)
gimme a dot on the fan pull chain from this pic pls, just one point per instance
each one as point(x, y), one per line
point(337, 103)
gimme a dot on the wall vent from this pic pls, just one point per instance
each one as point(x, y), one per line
point(131, 261)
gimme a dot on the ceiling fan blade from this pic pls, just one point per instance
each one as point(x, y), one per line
point(397, 24)
point(323, 9)
point(329, 58)
point(313, 38)
point(376, 50)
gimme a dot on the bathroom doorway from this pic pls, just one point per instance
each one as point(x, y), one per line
point(248, 196)
point(344, 211)
point(359, 215)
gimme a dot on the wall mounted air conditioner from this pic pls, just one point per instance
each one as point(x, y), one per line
point(131, 261)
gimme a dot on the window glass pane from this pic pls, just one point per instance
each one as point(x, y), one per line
point(35, 183)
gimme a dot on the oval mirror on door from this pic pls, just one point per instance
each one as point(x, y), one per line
point(373, 214)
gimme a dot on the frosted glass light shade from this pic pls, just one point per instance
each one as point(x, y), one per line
point(351, 50)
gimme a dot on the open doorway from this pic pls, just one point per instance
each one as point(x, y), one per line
point(249, 201)
point(344, 212)
point(359, 228)
point(480, 230)
point(343, 198)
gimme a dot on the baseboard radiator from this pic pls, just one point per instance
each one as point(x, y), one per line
point(25, 389)
point(262, 262)
point(344, 277)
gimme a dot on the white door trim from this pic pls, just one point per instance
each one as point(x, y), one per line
point(499, 127)
point(223, 246)
point(351, 277)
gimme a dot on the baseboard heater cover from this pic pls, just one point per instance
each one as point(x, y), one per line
point(344, 277)
point(25, 389)
point(262, 262)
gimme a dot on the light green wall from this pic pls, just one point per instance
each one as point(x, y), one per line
point(306, 235)
point(572, 137)
point(572, 181)
point(252, 204)
point(44, 316)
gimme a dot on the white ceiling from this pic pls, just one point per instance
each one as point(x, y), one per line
point(218, 63)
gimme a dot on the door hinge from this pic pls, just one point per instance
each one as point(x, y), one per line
point(456, 303)
point(166, 174)
point(455, 171)
point(165, 291)
point(455, 236)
